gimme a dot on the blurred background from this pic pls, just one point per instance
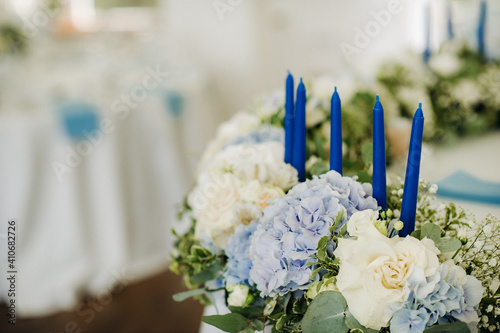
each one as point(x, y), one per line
point(106, 107)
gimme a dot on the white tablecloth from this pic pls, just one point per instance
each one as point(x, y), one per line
point(109, 219)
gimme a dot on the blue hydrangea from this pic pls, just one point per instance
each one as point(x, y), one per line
point(238, 262)
point(266, 133)
point(290, 228)
point(443, 295)
point(409, 321)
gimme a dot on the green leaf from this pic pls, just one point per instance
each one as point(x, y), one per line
point(354, 325)
point(336, 222)
point(326, 314)
point(319, 168)
point(431, 231)
point(448, 244)
point(416, 234)
point(367, 153)
point(269, 307)
point(209, 274)
point(318, 143)
point(282, 321)
point(179, 297)
point(250, 312)
point(258, 325)
point(343, 230)
point(364, 177)
point(231, 322)
point(456, 327)
point(299, 306)
point(315, 272)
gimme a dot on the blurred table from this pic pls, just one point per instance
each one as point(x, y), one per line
point(106, 217)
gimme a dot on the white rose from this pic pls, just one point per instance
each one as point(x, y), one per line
point(362, 221)
point(267, 194)
point(374, 270)
point(241, 123)
point(238, 294)
point(263, 162)
point(212, 203)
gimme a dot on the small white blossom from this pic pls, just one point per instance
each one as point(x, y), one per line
point(238, 295)
point(489, 308)
point(492, 262)
point(433, 189)
point(488, 230)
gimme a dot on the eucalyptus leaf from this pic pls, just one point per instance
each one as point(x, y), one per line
point(431, 231)
point(416, 234)
point(326, 314)
point(250, 312)
point(364, 177)
point(319, 168)
point(231, 322)
point(179, 297)
point(355, 326)
point(207, 275)
point(448, 244)
point(456, 327)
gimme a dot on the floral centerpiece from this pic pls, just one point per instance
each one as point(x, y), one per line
point(321, 255)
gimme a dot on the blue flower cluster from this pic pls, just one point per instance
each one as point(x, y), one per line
point(265, 133)
point(289, 231)
point(447, 296)
point(238, 262)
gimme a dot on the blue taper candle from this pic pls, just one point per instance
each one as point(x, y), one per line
point(379, 173)
point(336, 133)
point(427, 26)
point(409, 205)
point(449, 23)
point(289, 118)
point(299, 138)
point(481, 28)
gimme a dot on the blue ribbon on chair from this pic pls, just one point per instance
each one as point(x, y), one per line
point(79, 119)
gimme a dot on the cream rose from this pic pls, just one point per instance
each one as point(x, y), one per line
point(262, 162)
point(374, 270)
point(362, 221)
point(212, 203)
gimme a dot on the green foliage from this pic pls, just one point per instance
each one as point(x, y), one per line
point(456, 327)
point(434, 232)
point(232, 322)
point(326, 314)
point(463, 101)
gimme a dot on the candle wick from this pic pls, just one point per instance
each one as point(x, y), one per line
point(378, 98)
